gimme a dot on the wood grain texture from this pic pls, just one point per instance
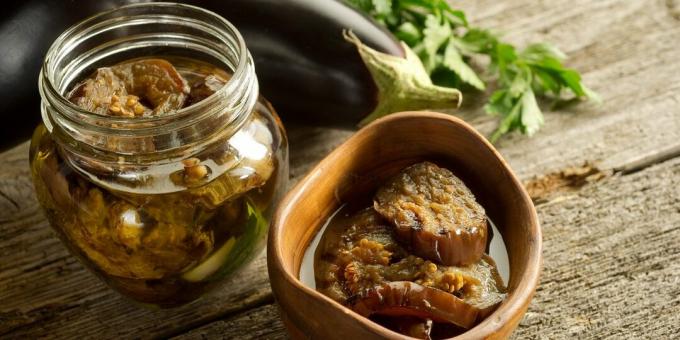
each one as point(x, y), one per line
point(262, 322)
point(628, 52)
point(611, 264)
point(612, 260)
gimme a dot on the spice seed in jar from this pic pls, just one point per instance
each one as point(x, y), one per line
point(193, 170)
point(191, 162)
point(139, 109)
point(196, 172)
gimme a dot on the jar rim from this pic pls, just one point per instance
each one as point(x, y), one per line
point(154, 30)
point(71, 31)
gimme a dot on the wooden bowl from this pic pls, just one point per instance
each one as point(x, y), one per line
point(353, 171)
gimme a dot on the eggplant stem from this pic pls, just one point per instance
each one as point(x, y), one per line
point(403, 83)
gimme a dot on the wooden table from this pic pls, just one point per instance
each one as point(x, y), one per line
point(611, 235)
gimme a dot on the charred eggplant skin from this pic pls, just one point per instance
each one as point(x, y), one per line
point(305, 67)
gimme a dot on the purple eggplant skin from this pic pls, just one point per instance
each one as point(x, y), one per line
point(27, 29)
point(306, 69)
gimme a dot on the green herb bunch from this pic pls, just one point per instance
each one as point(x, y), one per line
point(445, 43)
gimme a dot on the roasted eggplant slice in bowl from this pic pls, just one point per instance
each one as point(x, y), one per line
point(434, 212)
point(388, 285)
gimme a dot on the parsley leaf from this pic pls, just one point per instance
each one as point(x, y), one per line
point(408, 33)
point(453, 60)
point(382, 7)
point(531, 115)
point(445, 41)
point(435, 34)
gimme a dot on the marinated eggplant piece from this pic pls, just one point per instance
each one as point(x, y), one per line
point(104, 93)
point(405, 298)
point(434, 214)
point(478, 285)
point(360, 251)
point(362, 241)
point(363, 262)
point(120, 90)
point(206, 87)
point(490, 293)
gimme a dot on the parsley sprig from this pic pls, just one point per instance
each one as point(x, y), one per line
point(445, 42)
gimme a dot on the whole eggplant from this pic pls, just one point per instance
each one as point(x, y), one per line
point(306, 68)
point(27, 29)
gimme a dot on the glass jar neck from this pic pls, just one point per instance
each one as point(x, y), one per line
point(150, 29)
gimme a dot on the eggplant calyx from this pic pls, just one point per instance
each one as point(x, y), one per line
point(403, 83)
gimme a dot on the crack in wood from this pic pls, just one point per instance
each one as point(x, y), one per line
point(543, 189)
point(571, 178)
point(42, 265)
point(649, 160)
point(10, 200)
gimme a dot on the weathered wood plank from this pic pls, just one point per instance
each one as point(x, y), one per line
point(611, 259)
point(258, 323)
point(309, 145)
point(611, 264)
point(627, 49)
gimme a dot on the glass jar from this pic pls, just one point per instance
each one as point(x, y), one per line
point(162, 208)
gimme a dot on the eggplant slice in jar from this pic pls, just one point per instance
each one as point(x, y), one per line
point(124, 89)
point(435, 214)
